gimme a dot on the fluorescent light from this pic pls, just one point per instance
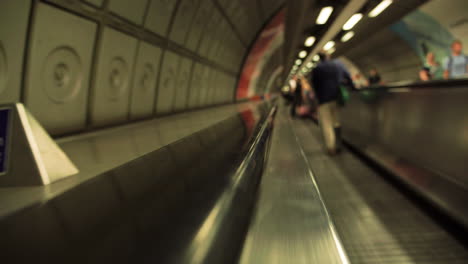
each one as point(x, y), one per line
point(324, 15)
point(310, 65)
point(309, 41)
point(380, 8)
point(316, 58)
point(347, 36)
point(298, 62)
point(332, 50)
point(295, 67)
point(352, 21)
point(302, 54)
point(329, 45)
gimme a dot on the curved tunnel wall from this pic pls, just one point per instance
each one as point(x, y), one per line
point(80, 65)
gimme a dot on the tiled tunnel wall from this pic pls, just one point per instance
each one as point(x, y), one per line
point(80, 65)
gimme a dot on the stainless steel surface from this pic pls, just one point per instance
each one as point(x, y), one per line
point(376, 222)
point(34, 158)
point(219, 237)
point(291, 223)
point(420, 134)
point(187, 202)
point(98, 152)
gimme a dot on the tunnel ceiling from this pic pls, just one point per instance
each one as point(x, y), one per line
point(81, 65)
point(302, 24)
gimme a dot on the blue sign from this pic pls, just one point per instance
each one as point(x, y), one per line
point(4, 139)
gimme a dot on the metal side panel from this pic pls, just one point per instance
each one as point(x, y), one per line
point(416, 129)
point(14, 17)
point(110, 102)
point(198, 25)
point(59, 69)
point(183, 85)
point(167, 83)
point(131, 10)
point(144, 81)
point(291, 223)
point(159, 16)
point(182, 20)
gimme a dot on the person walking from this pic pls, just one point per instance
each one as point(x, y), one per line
point(374, 77)
point(297, 96)
point(456, 65)
point(326, 79)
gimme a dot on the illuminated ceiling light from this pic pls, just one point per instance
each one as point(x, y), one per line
point(302, 54)
point(352, 21)
point(310, 65)
point(324, 15)
point(332, 50)
point(298, 62)
point(316, 58)
point(295, 67)
point(309, 41)
point(329, 45)
point(380, 8)
point(347, 36)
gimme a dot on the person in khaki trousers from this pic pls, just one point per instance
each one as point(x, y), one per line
point(326, 79)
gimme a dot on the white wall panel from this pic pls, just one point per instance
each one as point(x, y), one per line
point(204, 86)
point(59, 69)
point(209, 33)
point(182, 20)
point(14, 16)
point(198, 25)
point(218, 39)
point(159, 16)
point(110, 102)
point(195, 86)
point(143, 90)
point(211, 87)
point(182, 87)
point(97, 3)
point(167, 83)
point(133, 10)
point(219, 87)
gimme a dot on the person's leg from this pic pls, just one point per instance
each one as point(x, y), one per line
point(336, 124)
point(293, 112)
point(293, 108)
point(327, 126)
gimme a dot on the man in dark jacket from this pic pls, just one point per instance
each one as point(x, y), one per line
point(327, 77)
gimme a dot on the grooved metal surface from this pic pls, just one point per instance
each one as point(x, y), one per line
point(375, 221)
point(290, 223)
